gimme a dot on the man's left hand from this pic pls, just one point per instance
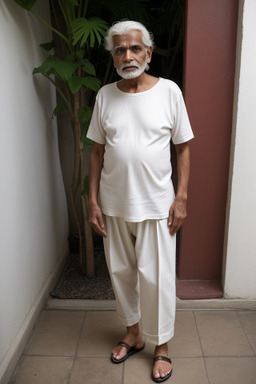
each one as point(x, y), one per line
point(177, 215)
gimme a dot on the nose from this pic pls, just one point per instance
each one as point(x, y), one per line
point(128, 55)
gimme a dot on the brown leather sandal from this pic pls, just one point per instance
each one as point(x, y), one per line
point(130, 351)
point(161, 379)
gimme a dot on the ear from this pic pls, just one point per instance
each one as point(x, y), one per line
point(149, 53)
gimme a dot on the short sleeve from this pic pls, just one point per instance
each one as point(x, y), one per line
point(182, 131)
point(96, 132)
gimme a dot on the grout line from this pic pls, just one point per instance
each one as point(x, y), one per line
point(77, 345)
point(65, 356)
point(205, 367)
point(246, 336)
point(41, 355)
point(141, 358)
point(230, 357)
point(123, 373)
point(197, 331)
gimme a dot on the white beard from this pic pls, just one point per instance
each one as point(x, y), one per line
point(134, 73)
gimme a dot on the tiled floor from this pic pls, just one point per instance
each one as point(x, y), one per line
point(73, 347)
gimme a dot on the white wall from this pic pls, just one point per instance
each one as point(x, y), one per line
point(240, 276)
point(33, 220)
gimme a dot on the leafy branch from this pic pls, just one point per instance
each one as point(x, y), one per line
point(73, 76)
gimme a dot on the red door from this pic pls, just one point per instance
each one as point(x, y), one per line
point(210, 53)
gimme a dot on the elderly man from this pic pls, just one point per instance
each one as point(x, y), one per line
point(132, 203)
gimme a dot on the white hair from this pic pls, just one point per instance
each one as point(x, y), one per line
point(123, 27)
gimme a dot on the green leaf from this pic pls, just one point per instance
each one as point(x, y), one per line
point(46, 67)
point(80, 53)
point(92, 83)
point(48, 46)
point(63, 69)
point(86, 186)
point(26, 4)
point(60, 107)
point(88, 29)
point(83, 138)
point(75, 83)
point(87, 142)
point(85, 114)
point(88, 67)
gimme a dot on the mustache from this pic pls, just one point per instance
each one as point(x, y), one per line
point(130, 64)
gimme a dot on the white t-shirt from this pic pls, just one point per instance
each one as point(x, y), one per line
point(136, 129)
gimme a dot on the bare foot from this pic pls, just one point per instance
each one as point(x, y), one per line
point(133, 338)
point(161, 368)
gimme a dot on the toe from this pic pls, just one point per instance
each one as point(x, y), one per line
point(161, 370)
point(119, 352)
point(156, 374)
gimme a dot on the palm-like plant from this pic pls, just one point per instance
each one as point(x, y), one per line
point(74, 75)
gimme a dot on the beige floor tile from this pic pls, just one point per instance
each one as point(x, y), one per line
point(137, 370)
point(96, 371)
point(185, 371)
point(185, 342)
point(189, 371)
point(56, 333)
point(248, 321)
point(231, 370)
point(43, 370)
point(100, 334)
point(221, 334)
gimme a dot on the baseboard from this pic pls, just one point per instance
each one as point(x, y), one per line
point(11, 359)
point(181, 305)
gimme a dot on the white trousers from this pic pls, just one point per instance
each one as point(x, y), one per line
point(141, 263)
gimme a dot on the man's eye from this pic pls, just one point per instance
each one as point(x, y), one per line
point(136, 48)
point(119, 51)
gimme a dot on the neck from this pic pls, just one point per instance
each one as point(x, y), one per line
point(137, 84)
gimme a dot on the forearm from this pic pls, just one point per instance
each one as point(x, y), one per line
point(178, 210)
point(183, 170)
point(96, 164)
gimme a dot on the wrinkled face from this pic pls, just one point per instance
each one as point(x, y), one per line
point(130, 55)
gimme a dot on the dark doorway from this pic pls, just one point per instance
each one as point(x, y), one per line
point(166, 20)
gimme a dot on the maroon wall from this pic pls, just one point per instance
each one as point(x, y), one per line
point(210, 48)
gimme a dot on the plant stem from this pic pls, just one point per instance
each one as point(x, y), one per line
point(64, 14)
point(51, 28)
point(85, 8)
point(76, 172)
point(89, 250)
point(60, 93)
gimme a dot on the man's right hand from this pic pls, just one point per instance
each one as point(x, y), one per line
point(96, 219)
